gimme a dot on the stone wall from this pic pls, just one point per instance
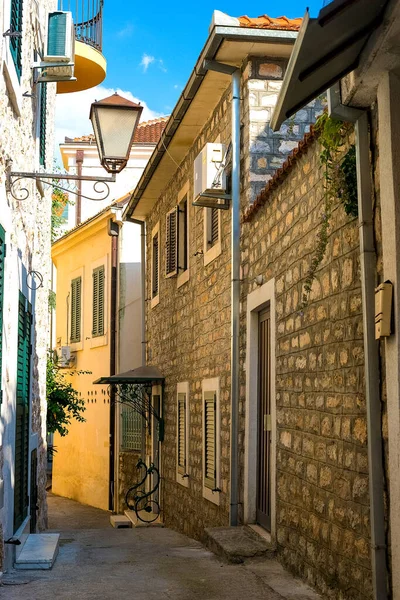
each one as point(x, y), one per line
point(322, 504)
point(188, 332)
point(27, 227)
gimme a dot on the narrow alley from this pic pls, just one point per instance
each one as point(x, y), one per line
point(97, 562)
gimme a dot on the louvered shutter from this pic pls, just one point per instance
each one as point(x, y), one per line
point(98, 301)
point(210, 475)
point(183, 236)
point(171, 236)
point(43, 124)
point(2, 264)
point(22, 412)
point(76, 289)
point(16, 42)
point(155, 266)
point(214, 233)
point(182, 433)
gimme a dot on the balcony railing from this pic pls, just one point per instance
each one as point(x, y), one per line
point(88, 20)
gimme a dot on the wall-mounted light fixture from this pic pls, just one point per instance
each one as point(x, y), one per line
point(114, 122)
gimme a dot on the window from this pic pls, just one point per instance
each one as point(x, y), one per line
point(2, 261)
point(131, 428)
point(98, 301)
point(155, 265)
point(211, 441)
point(183, 241)
point(16, 42)
point(182, 434)
point(171, 243)
point(212, 234)
point(42, 124)
point(76, 298)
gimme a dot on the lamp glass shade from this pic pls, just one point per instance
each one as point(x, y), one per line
point(114, 121)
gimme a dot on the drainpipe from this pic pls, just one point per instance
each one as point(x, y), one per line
point(79, 163)
point(371, 346)
point(113, 231)
point(235, 282)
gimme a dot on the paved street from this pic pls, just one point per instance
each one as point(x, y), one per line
point(98, 562)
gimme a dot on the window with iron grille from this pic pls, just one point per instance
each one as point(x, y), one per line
point(16, 27)
point(98, 302)
point(210, 469)
point(171, 243)
point(76, 308)
point(131, 428)
point(43, 124)
point(155, 265)
point(2, 264)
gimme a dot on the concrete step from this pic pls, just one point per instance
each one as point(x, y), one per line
point(236, 544)
point(149, 519)
point(120, 521)
point(39, 551)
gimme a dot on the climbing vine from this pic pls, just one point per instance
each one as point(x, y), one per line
point(340, 184)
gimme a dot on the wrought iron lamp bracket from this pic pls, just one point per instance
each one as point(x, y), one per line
point(53, 179)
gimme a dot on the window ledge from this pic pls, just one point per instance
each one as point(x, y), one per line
point(212, 253)
point(182, 279)
point(184, 481)
point(75, 346)
point(155, 301)
point(211, 496)
point(99, 340)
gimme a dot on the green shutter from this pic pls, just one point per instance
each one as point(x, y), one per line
point(210, 474)
point(171, 242)
point(21, 500)
point(155, 266)
point(16, 42)
point(76, 300)
point(98, 301)
point(181, 446)
point(42, 124)
point(2, 264)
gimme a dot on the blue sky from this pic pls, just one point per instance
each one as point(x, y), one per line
point(151, 50)
point(172, 34)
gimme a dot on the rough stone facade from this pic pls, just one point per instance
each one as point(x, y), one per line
point(27, 229)
point(188, 332)
point(322, 502)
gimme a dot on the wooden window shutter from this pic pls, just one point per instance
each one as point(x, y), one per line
point(98, 301)
point(210, 473)
point(183, 235)
point(76, 299)
point(155, 266)
point(43, 124)
point(212, 226)
point(171, 237)
point(2, 265)
point(16, 42)
point(182, 433)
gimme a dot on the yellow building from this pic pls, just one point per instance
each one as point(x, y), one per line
point(83, 258)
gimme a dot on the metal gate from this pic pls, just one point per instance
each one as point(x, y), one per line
point(264, 421)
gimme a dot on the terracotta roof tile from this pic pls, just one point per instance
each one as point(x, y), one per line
point(281, 173)
point(147, 132)
point(266, 22)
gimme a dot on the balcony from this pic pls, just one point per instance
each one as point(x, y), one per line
point(90, 64)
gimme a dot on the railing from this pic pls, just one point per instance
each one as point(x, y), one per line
point(88, 20)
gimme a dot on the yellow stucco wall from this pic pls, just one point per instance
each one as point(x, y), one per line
point(81, 463)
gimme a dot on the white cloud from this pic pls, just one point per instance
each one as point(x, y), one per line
point(146, 61)
point(72, 111)
point(161, 65)
point(125, 31)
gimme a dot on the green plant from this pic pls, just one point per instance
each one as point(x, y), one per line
point(52, 300)
point(63, 402)
point(340, 183)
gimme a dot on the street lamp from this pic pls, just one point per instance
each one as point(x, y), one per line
point(114, 122)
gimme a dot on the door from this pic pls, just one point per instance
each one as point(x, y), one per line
point(264, 426)
point(21, 499)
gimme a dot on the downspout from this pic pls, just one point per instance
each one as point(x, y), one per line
point(371, 346)
point(235, 283)
point(79, 163)
point(114, 233)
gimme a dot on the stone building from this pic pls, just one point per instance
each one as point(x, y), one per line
point(26, 124)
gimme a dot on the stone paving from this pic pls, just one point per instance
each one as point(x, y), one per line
point(97, 562)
